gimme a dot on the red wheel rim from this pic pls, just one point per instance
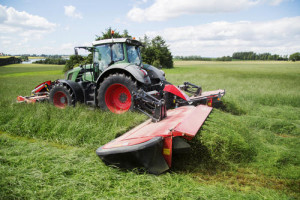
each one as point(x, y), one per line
point(60, 99)
point(118, 98)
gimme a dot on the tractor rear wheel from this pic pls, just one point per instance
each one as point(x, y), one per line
point(60, 96)
point(115, 93)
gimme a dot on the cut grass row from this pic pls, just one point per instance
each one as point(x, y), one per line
point(253, 143)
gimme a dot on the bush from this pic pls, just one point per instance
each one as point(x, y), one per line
point(52, 61)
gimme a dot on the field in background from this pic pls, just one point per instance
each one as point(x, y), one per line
point(242, 62)
point(36, 57)
point(249, 149)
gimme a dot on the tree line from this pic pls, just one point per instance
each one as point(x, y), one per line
point(53, 61)
point(9, 60)
point(249, 55)
point(199, 58)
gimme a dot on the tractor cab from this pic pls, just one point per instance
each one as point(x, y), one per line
point(111, 51)
point(107, 53)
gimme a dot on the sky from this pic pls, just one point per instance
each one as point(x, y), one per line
point(208, 28)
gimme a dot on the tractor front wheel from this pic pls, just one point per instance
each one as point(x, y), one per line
point(60, 96)
point(115, 93)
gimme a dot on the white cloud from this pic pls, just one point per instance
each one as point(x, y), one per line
point(12, 20)
point(67, 46)
point(223, 38)
point(5, 42)
point(70, 11)
point(18, 28)
point(162, 10)
point(274, 2)
point(120, 21)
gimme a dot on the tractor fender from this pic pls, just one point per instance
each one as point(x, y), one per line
point(130, 70)
point(154, 73)
point(76, 88)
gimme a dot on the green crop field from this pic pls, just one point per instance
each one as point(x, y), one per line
point(249, 149)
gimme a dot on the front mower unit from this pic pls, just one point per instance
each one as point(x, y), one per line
point(151, 145)
point(39, 94)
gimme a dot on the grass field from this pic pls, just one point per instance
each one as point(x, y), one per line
point(37, 57)
point(250, 149)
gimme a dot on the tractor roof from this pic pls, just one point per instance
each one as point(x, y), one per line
point(117, 40)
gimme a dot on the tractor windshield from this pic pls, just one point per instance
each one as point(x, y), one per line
point(108, 54)
point(134, 54)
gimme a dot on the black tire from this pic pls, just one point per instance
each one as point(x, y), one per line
point(61, 96)
point(115, 93)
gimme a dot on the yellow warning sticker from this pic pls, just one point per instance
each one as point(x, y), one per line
point(166, 152)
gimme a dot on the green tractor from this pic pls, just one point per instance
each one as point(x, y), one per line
point(117, 71)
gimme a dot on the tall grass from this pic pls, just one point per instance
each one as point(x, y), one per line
point(248, 149)
point(34, 169)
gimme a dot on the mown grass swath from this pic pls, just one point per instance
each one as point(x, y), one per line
point(247, 149)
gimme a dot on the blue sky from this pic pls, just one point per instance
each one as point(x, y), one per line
point(190, 27)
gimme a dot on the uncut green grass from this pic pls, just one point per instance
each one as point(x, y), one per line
point(36, 169)
point(248, 149)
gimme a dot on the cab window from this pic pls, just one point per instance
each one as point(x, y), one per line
point(108, 54)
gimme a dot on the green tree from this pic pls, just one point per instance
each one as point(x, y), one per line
point(73, 61)
point(156, 52)
point(107, 34)
point(224, 58)
point(24, 58)
point(126, 34)
point(89, 58)
point(295, 56)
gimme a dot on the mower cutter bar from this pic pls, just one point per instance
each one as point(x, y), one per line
point(209, 94)
point(209, 98)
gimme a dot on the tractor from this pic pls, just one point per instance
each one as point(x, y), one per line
point(112, 82)
point(118, 81)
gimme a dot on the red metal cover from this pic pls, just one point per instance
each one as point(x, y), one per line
point(176, 91)
point(191, 124)
point(41, 86)
point(182, 121)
